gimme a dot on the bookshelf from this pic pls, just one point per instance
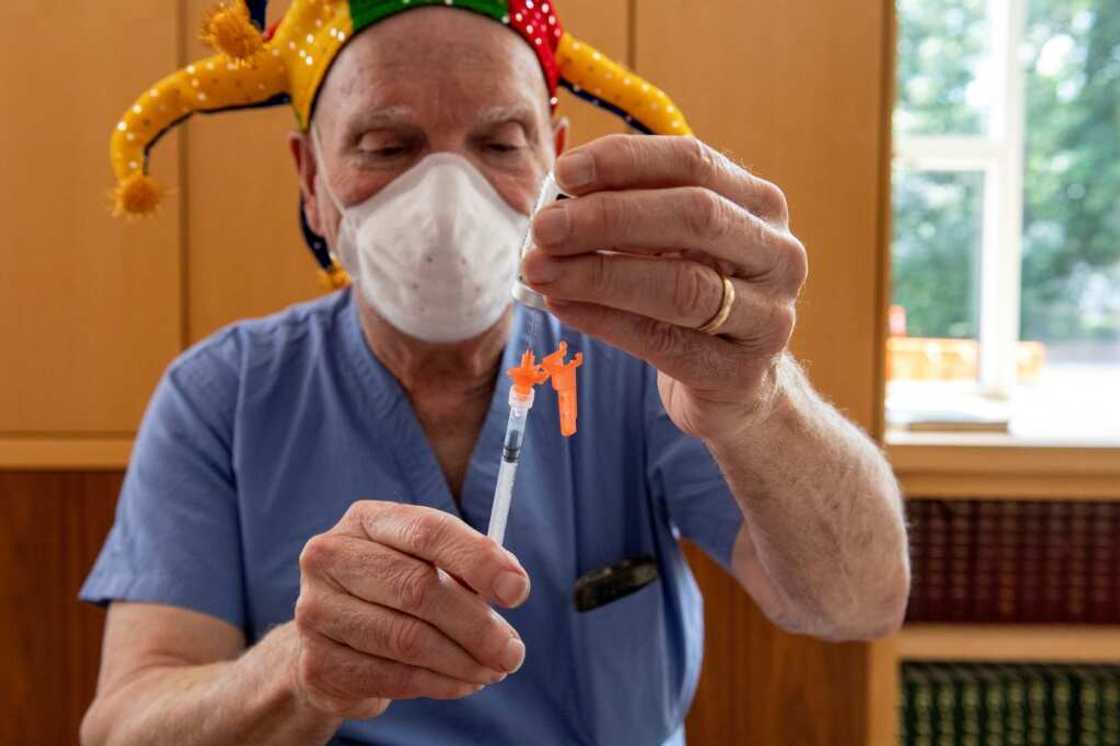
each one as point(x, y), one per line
point(991, 469)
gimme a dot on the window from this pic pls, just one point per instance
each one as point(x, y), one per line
point(1006, 205)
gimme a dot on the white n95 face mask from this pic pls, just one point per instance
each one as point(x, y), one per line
point(435, 251)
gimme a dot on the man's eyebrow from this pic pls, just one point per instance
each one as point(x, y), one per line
point(520, 113)
point(382, 118)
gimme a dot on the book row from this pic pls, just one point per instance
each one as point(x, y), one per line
point(981, 704)
point(1004, 561)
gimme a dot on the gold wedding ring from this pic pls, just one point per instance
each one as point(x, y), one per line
point(713, 326)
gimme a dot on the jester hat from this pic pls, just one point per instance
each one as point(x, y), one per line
point(287, 64)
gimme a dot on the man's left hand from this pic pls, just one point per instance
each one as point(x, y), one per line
point(638, 259)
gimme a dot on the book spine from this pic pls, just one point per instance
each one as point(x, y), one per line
point(961, 555)
point(1055, 561)
point(1110, 706)
point(985, 580)
point(1086, 701)
point(937, 561)
point(993, 713)
point(1061, 713)
point(1102, 564)
point(917, 524)
point(1015, 713)
point(1038, 723)
point(944, 707)
point(970, 703)
point(1078, 578)
point(1010, 530)
point(921, 723)
point(1030, 562)
point(1113, 511)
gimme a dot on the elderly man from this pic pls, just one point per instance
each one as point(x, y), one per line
point(297, 556)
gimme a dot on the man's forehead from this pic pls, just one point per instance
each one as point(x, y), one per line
point(447, 57)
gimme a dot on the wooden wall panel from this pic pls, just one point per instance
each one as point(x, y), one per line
point(89, 306)
point(53, 527)
point(245, 253)
point(794, 92)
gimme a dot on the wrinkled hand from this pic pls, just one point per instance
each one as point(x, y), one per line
point(673, 214)
point(382, 616)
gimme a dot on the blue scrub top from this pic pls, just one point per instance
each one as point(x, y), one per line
point(262, 436)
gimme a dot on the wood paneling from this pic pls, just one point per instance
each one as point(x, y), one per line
point(66, 454)
point(795, 92)
point(763, 686)
point(245, 253)
point(54, 525)
point(89, 306)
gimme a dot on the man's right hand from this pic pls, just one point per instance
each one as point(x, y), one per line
point(394, 603)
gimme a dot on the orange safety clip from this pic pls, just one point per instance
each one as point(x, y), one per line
point(527, 375)
point(564, 382)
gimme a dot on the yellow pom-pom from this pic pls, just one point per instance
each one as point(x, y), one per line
point(136, 195)
point(334, 278)
point(229, 30)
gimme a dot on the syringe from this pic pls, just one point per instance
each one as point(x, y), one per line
point(525, 377)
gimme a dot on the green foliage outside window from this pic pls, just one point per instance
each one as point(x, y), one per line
point(1071, 221)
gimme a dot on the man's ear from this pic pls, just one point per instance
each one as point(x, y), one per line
point(560, 128)
point(307, 169)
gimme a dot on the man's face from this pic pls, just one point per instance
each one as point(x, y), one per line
point(426, 81)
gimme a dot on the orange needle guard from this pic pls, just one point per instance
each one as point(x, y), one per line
point(564, 382)
point(527, 375)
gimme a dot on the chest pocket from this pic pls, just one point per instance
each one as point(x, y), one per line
point(621, 654)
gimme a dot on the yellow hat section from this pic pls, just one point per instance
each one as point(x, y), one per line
point(294, 62)
point(211, 84)
point(588, 69)
point(308, 39)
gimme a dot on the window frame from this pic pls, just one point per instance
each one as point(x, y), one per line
point(1000, 155)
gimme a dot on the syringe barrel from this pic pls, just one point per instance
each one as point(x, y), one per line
point(515, 431)
point(519, 406)
point(503, 496)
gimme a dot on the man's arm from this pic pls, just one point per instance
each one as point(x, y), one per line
point(677, 255)
point(822, 549)
point(169, 675)
point(395, 603)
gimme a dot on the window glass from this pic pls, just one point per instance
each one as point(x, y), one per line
point(936, 257)
point(1071, 213)
point(943, 80)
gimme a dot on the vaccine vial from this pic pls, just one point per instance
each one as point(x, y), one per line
point(522, 293)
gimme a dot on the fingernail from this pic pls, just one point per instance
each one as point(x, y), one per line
point(511, 588)
point(496, 677)
point(551, 225)
point(513, 655)
point(575, 170)
point(539, 269)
